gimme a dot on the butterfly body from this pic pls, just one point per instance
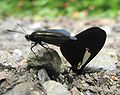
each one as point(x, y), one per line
point(51, 36)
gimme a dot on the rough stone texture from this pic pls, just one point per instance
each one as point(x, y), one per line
point(90, 82)
point(17, 54)
point(75, 91)
point(55, 88)
point(6, 59)
point(49, 60)
point(42, 75)
point(27, 88)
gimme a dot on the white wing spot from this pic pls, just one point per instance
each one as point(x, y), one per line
point(85, 58)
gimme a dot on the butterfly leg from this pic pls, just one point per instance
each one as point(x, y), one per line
point(46, 48)
point(33, 45)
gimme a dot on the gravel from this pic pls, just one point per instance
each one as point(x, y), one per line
point(21, 73)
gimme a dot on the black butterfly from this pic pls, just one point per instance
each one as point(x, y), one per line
point(78, 50)
point(81, 51)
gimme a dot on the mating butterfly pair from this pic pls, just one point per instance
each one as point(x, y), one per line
point(78, 50)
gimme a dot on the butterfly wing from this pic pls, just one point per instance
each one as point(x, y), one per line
point(81, 51)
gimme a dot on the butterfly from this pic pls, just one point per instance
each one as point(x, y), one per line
point(81, 51)
point(78, 50)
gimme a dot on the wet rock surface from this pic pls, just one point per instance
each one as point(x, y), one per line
point(46, 72)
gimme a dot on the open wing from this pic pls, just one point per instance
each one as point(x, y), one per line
point(81, 51)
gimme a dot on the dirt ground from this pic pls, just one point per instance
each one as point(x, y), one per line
point(19, 69)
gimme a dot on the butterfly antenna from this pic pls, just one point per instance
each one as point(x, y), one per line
point(15, 31)
point(22, 28)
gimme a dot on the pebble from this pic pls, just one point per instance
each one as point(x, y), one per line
point(42, 75)
point(55, 88)
point(50, 61)
point(114, 78)
point(6, 59)
point(17, 54)
point(23, 63)
point(3, 75)
point(27, 88)
point(75, 91)
point(91, 83)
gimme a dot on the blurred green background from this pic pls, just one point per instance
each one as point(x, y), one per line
point(54, 8)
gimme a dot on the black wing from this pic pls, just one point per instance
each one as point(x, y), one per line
point(81, 51)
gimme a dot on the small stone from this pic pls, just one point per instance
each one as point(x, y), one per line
point(23, 63)
point(55, 88)
point(17, 54)
point(114, 78)
point(47, 59)
point(3, 75)
point(27, 88)
point(42, 75)
point(75, 91)
point(88, 92)
point(6, 59)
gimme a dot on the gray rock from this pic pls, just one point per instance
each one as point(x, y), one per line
point(49, 60)
point(6, 59)
point(17, 54)
point(7, 80)
point(106, 60)
point(3, 75)
point(88, 92)
point(42, 75)
point(75, 91)
point(55, 88)
point(23, 64)
point(27, 88)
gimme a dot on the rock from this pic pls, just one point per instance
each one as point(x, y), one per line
point(7, 80)
point(23, 64)
point(6, 59)
point(87, 92)
point(3, 75)
point(27, 88)
point(55, 88)
point(42, 75)
point(49, 60)
point(17, 54)
point(75, 91)
point(106, 60)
